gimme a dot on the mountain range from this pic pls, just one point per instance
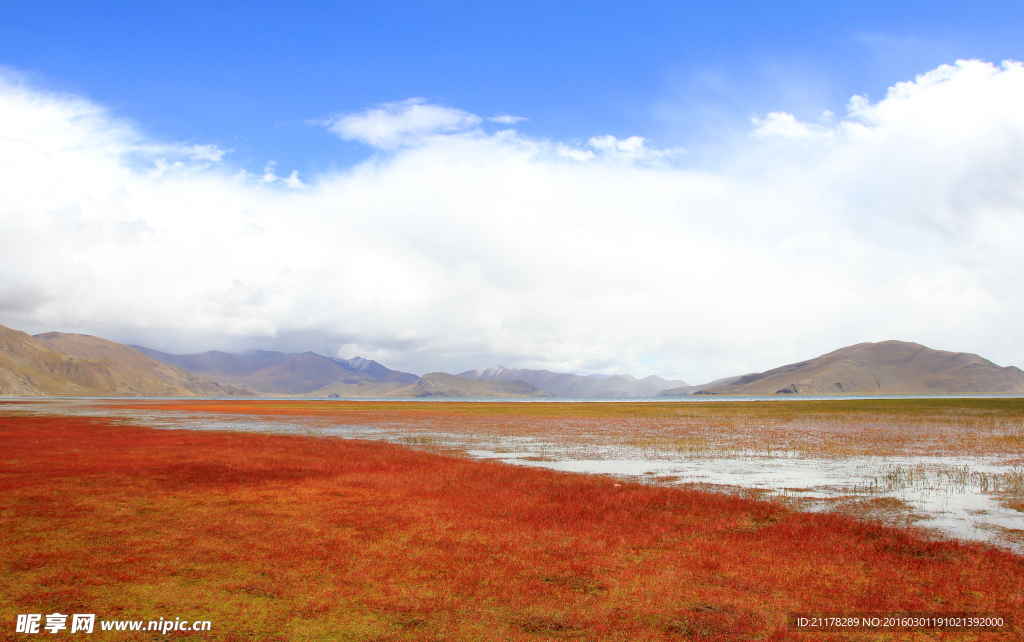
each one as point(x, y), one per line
point(442, 384)
point(56, 365)
point(887, 367)
point(282, 373)
point(561, 384)
point(61, 364)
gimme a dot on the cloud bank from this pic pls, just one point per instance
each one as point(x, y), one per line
point(409, 122)
point(454, 248)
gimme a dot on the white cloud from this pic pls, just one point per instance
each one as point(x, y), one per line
point(629, 150)
point(458, 249)
point(633, 148)
point(507, 119)
point(408, 122)
point(210, 153)
point(783, 125)
point(574, 153)
point(292, 180)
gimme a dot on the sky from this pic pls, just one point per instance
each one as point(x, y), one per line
point(693, 190)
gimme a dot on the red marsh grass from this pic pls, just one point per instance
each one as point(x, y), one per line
point(297, 538)
point(827, 428)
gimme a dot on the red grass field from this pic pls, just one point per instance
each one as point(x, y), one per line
point(819, 428)
point(301, 538)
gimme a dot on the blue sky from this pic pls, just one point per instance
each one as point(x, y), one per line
point(689, 190)
point(250, 76)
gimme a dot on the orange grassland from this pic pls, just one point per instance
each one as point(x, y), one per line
point(303, 538)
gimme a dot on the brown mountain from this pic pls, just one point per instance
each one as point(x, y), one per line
point(441, 384)
point(56, 364)
point(888, 367)
point(283, 373)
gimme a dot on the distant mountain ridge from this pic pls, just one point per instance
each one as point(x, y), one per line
point(442, 384)
point(305, 373)
point(887, 367)
point(62, 364)
point(79, 365)
point(562, 384)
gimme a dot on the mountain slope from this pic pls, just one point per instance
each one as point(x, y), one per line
point(80, 365)
point(580, 386)
point(683, 391)
point(375, 371)
point(304, 373)
point(30, 368)
point(441, 384)
point(888, 367)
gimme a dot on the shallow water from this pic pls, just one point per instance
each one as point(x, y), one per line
point(957, 511)
point(964, 511)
